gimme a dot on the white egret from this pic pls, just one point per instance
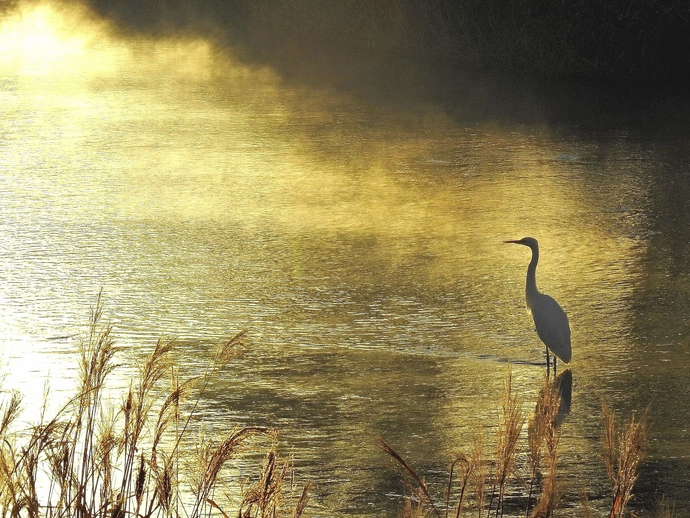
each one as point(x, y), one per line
point(550, 320)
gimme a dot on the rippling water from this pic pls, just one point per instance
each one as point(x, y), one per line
point(361, 246)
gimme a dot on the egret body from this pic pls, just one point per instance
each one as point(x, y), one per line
point(550, 320)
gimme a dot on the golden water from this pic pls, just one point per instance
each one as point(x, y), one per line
point(360, 245)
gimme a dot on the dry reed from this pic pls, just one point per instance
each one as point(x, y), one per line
point(488, 479)
point(665, 509)
point(419, 484)
point(543, 439)
point(97, 460)
point(511, 423)
point(479, 475)
point(622, 454)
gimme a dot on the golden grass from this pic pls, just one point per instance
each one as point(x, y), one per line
point(97, 460)
point(543, 440)
point(622, 453)
point(488, 477)
point(477, 484)
point(510, 426)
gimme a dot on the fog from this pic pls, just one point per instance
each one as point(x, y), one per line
point(562, 63)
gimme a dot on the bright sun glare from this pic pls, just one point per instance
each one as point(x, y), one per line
point(41, 45)
point(38, 39)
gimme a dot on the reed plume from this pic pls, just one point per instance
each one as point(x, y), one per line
point(479, 475)
point(477, 470)
point(622, 453)
point(419, 483)
point(543, 439)
point(489, 476)
point(510, 425)
point(97, 458)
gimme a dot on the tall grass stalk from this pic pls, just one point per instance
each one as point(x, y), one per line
point(96, 459)
point(623, 451)
point(511, 423)
point(418, 482)
point(488, 478)
point(665, 509)
point(479, 475)
point(543, 439)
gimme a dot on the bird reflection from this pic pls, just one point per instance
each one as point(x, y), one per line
point(562, 387)
point(563, 384)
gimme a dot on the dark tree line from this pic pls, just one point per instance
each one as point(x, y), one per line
point(634, 39)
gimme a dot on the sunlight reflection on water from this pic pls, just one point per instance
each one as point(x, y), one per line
point(360, 245)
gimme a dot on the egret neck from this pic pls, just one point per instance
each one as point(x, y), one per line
point(531, 291)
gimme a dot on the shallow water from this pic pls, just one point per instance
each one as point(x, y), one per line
point(359, 245)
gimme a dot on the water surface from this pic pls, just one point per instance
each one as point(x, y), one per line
point(359, 245)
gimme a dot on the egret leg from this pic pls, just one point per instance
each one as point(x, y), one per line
point(548, 362)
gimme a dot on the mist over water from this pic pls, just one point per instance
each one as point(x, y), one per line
point(360, 243)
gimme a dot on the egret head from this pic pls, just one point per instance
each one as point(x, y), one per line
point(527, 241)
